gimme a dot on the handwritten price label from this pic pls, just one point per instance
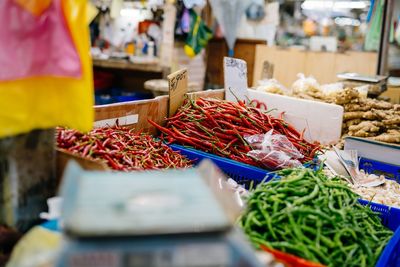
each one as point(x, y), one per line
point(178, 85)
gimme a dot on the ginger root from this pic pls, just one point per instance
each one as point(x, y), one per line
point(366, 126)
point(370, 115)
point(362, 133)
point(346, 96)
point(352, 115)
point(392, 136)
point(394, 120)
point(352, 122)
point(377, 104)
point(356, 107)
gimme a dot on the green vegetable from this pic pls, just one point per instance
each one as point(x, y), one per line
point(311, 216)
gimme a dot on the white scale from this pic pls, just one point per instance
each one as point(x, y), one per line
point(147, 219)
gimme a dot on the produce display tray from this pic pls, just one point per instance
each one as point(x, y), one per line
point(243, 174)
point(380, 168)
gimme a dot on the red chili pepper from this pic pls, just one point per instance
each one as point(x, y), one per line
point(212, 125)
point(122, 149)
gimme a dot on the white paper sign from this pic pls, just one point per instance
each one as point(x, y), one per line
point(235, 79)
point(124, 120)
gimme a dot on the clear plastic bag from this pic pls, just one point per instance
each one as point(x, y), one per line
point(306, 84)
point(274, 151)
point(272, 86)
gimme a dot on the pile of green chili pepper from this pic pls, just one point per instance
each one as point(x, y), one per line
point(311, 216)
point(121, 149)
point(219, 127)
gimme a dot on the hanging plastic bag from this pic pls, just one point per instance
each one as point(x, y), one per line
point(372, 38)
point(229, 13)
point(45, 101)
point(256, 11)
point(274, 151)
point(185, 21)
point(35, 41)
point(192, 3)
point(198, 36)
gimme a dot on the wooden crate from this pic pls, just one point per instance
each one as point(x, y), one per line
point(155, 109)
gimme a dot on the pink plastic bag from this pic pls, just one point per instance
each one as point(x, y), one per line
point(36, 45)
point(274, 151)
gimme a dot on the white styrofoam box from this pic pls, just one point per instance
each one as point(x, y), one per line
point(322, 121)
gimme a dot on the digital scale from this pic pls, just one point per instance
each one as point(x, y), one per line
point(148, 219)
point(376, 84)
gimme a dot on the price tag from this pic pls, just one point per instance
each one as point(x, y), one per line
point(178, 85)
point(235, 79)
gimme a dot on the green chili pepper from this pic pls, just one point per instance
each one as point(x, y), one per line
point(314, 217)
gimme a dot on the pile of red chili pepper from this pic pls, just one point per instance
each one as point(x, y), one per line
point(121, 149)
point(219, 127)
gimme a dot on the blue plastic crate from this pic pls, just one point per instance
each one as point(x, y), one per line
point(243, 174)
point(380, 168)
point(390, 256)
point(390, 216)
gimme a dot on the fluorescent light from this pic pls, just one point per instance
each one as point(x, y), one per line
point(347, 21)
point(350, 5)
point(320, 4)
point(128, 12)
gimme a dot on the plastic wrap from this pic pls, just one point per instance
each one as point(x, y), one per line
point(274, 151)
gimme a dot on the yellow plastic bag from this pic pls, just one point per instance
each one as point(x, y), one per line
point(38, 247)
point(45, 102)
